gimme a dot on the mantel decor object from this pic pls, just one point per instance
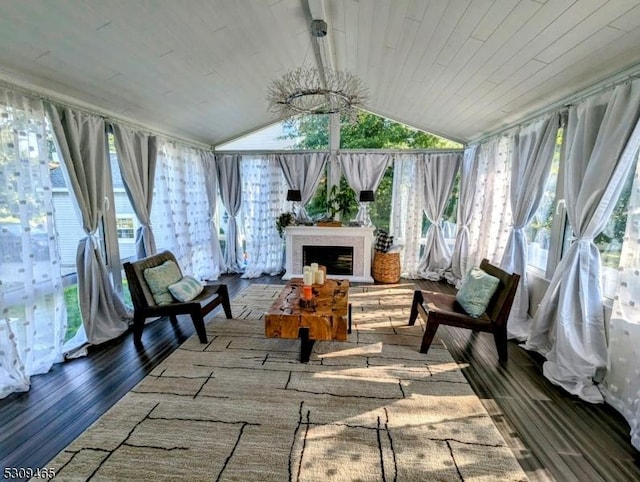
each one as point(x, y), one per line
point(363, 217)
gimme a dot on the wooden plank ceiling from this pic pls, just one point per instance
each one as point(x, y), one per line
point(199, 69)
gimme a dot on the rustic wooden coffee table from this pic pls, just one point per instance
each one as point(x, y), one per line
point(329, 319)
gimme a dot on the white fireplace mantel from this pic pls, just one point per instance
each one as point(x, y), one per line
point(360, 238)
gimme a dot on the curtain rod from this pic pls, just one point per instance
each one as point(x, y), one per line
point(340, 151)
point(612, 81)
point(34, 93)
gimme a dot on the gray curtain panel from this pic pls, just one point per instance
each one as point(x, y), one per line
point(230, 184)
point(137, 156)
point(466, 196)
point(303, 173)
point(532, 153)
point(439, 173)
point(364, 173)
point(211, 180)
point(603, 137)
point(80, 138)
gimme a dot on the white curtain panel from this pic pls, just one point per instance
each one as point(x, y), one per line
point(137, 156)
point(80, 139)
point(532, 153)
point(33, 315)
point(303, 172)
point(407, 212)
point(468, 179)
point(491, 213)
point(211, 181)
point(230, 184)
point(363, 172)
point(622, 382)
point(439, 174)
point(265, 194)
point(180, 213)
point(602, 139)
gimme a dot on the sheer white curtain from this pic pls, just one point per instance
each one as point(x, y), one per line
point(468, 179)
point(137, 155)
point(81, 142)
point(407, 212)
point(533, 148)
point(264, 198)
point(622, 382)
point(211, 181)
point(491, 214)
point(303, 172)
point(603, 136)
point(180, 212)
point(33, 315)
point(439, 173)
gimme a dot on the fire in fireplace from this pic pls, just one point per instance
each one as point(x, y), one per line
point(337, 259)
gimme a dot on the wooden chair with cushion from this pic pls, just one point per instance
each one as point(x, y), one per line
point(444, 309)
point(145, 305)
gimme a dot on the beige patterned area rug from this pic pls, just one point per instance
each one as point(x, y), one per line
point(243, 408)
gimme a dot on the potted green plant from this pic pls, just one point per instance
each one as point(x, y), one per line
point(284, 220)
point(339, 202)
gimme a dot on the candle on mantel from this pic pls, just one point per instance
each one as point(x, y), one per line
point(320, 277)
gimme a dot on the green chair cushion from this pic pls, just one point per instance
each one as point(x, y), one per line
point(476, 291)
point(159, 278)
point(186, 289)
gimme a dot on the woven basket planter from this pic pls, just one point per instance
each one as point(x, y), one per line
point(386, 267)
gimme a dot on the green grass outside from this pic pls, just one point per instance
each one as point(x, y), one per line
point(73, 308)
point(74, 320)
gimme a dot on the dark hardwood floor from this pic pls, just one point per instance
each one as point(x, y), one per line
point(554, 435)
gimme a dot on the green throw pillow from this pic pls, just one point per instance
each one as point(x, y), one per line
point(186, 289)
point(476, 291)
point(159, 279)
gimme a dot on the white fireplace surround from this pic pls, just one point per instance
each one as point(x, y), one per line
point(359, 238)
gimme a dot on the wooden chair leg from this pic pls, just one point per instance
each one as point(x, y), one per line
point(223, 292)
point(138, 326)
point(500, 337)
point(198, 323)
point(429, 333)
point(417, 299)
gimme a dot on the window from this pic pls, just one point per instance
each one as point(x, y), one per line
point(539, 230)
point(380, 208)
point(609, 241)
point(125, 228)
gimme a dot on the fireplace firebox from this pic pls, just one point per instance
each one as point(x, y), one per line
point(337, 259)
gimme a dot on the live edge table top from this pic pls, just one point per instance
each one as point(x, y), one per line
point(327, 320)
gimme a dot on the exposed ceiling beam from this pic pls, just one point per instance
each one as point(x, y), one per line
point(322, 46)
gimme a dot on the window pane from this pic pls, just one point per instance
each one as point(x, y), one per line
point(126, 221)
point(539, 229)
point(317, 207)
point(609, 241)
point(380, 208)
